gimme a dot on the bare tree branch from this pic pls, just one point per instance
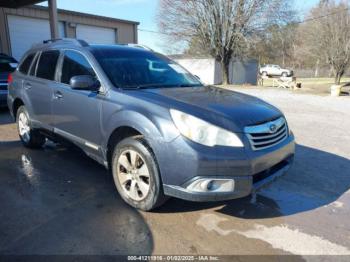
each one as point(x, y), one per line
point(223, 27)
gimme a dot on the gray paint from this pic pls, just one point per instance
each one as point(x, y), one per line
point(88, 119)
point(244, 71)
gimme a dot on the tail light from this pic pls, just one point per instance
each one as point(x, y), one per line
point(9, 79)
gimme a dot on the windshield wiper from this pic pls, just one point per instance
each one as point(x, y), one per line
point(189, 85)
point(160, 85)
point(143, 86)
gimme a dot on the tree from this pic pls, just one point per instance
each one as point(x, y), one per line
point(223, 27)
point(276, 45)
point(326, 37)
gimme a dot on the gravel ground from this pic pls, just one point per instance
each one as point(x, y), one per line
point(60, 202)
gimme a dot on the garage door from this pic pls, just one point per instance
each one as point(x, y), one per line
point(96, 35)
point(25, 31)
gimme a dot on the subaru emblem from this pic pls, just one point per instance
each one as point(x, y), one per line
point(273, 128)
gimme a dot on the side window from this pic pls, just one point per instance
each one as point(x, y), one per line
point(24, 67)
point(75, 64)
point(47, 64)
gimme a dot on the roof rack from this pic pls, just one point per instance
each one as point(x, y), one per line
point(79, 42)
point(140, 46)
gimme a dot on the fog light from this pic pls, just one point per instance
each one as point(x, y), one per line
point(211, 185)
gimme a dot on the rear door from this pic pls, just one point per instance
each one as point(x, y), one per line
point(77, 112)
point(38, 87)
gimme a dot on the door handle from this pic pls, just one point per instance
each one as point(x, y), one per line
point(27, 86)
point(58, 95)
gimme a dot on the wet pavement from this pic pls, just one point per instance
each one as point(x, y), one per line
point(58, 201)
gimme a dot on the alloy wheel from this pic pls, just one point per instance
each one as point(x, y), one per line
point(133, 174)
point(23, 127)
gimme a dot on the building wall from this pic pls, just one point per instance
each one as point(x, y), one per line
point(126, 30)
point(210, 71)
point(206, 69)
point(244, 72)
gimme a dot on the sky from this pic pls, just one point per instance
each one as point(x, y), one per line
point(143, 11)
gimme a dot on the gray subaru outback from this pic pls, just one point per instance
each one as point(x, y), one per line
point(158, 129)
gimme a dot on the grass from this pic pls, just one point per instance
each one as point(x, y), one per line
point(313, 85)
point(311, 81)
point(317, 86)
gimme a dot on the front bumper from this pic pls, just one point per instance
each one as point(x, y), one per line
point(250, 170)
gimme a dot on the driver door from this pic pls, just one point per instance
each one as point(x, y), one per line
point(76, 113)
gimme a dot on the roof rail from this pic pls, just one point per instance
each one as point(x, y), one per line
point(79, 42)
point(139, 46)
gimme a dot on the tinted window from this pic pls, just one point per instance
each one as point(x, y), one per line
point(47, 64)
point(75, 64)
point(136, 68)
point(26, 64)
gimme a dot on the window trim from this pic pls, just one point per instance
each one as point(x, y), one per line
point(34, 64)
point(60, 67)
point(24, 59)
point(37, 65)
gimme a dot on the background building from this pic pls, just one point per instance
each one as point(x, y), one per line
point(21, 28)
point(210, 71)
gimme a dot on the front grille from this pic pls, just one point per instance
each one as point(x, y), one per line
point(268, 134)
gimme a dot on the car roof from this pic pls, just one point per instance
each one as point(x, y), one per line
point(120, 47)
point(82, 45)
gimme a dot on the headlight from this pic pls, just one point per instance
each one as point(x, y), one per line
point(202, 132)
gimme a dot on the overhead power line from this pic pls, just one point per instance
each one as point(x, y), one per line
point(298, 22)
point(152, 31)
point(322, 16)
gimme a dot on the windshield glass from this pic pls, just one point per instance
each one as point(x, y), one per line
point(131, 68)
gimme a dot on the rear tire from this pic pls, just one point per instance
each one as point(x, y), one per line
point(30, 137)
point(136, 174)
point(284, 74)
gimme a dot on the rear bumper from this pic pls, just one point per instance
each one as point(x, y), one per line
point(3, 98)
point(257, 171)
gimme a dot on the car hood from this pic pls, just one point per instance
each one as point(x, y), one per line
point(229, 109)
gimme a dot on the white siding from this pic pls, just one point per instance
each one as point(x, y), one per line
point(96, 34)
point(208, 70)
point(25, 31)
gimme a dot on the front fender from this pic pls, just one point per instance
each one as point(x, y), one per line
point(158, 132)
point(155, 129)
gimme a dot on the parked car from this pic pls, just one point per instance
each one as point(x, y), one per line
point(7, 65)
point(153, 124)
point(275, 70)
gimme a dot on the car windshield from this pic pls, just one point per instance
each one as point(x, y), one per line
point(137, 68)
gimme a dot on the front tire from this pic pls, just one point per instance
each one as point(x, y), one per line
point(284, 74)
point(136, 175)
point(30, 137)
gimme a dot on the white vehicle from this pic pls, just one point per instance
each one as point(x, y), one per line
point(275, 70)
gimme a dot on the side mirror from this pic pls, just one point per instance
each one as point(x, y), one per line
point(84, 82)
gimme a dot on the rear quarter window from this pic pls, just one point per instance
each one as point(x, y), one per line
point(47, 64)
point(24, 67)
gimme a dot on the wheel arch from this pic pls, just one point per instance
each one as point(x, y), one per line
point(17, 103)
point(118, 135)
